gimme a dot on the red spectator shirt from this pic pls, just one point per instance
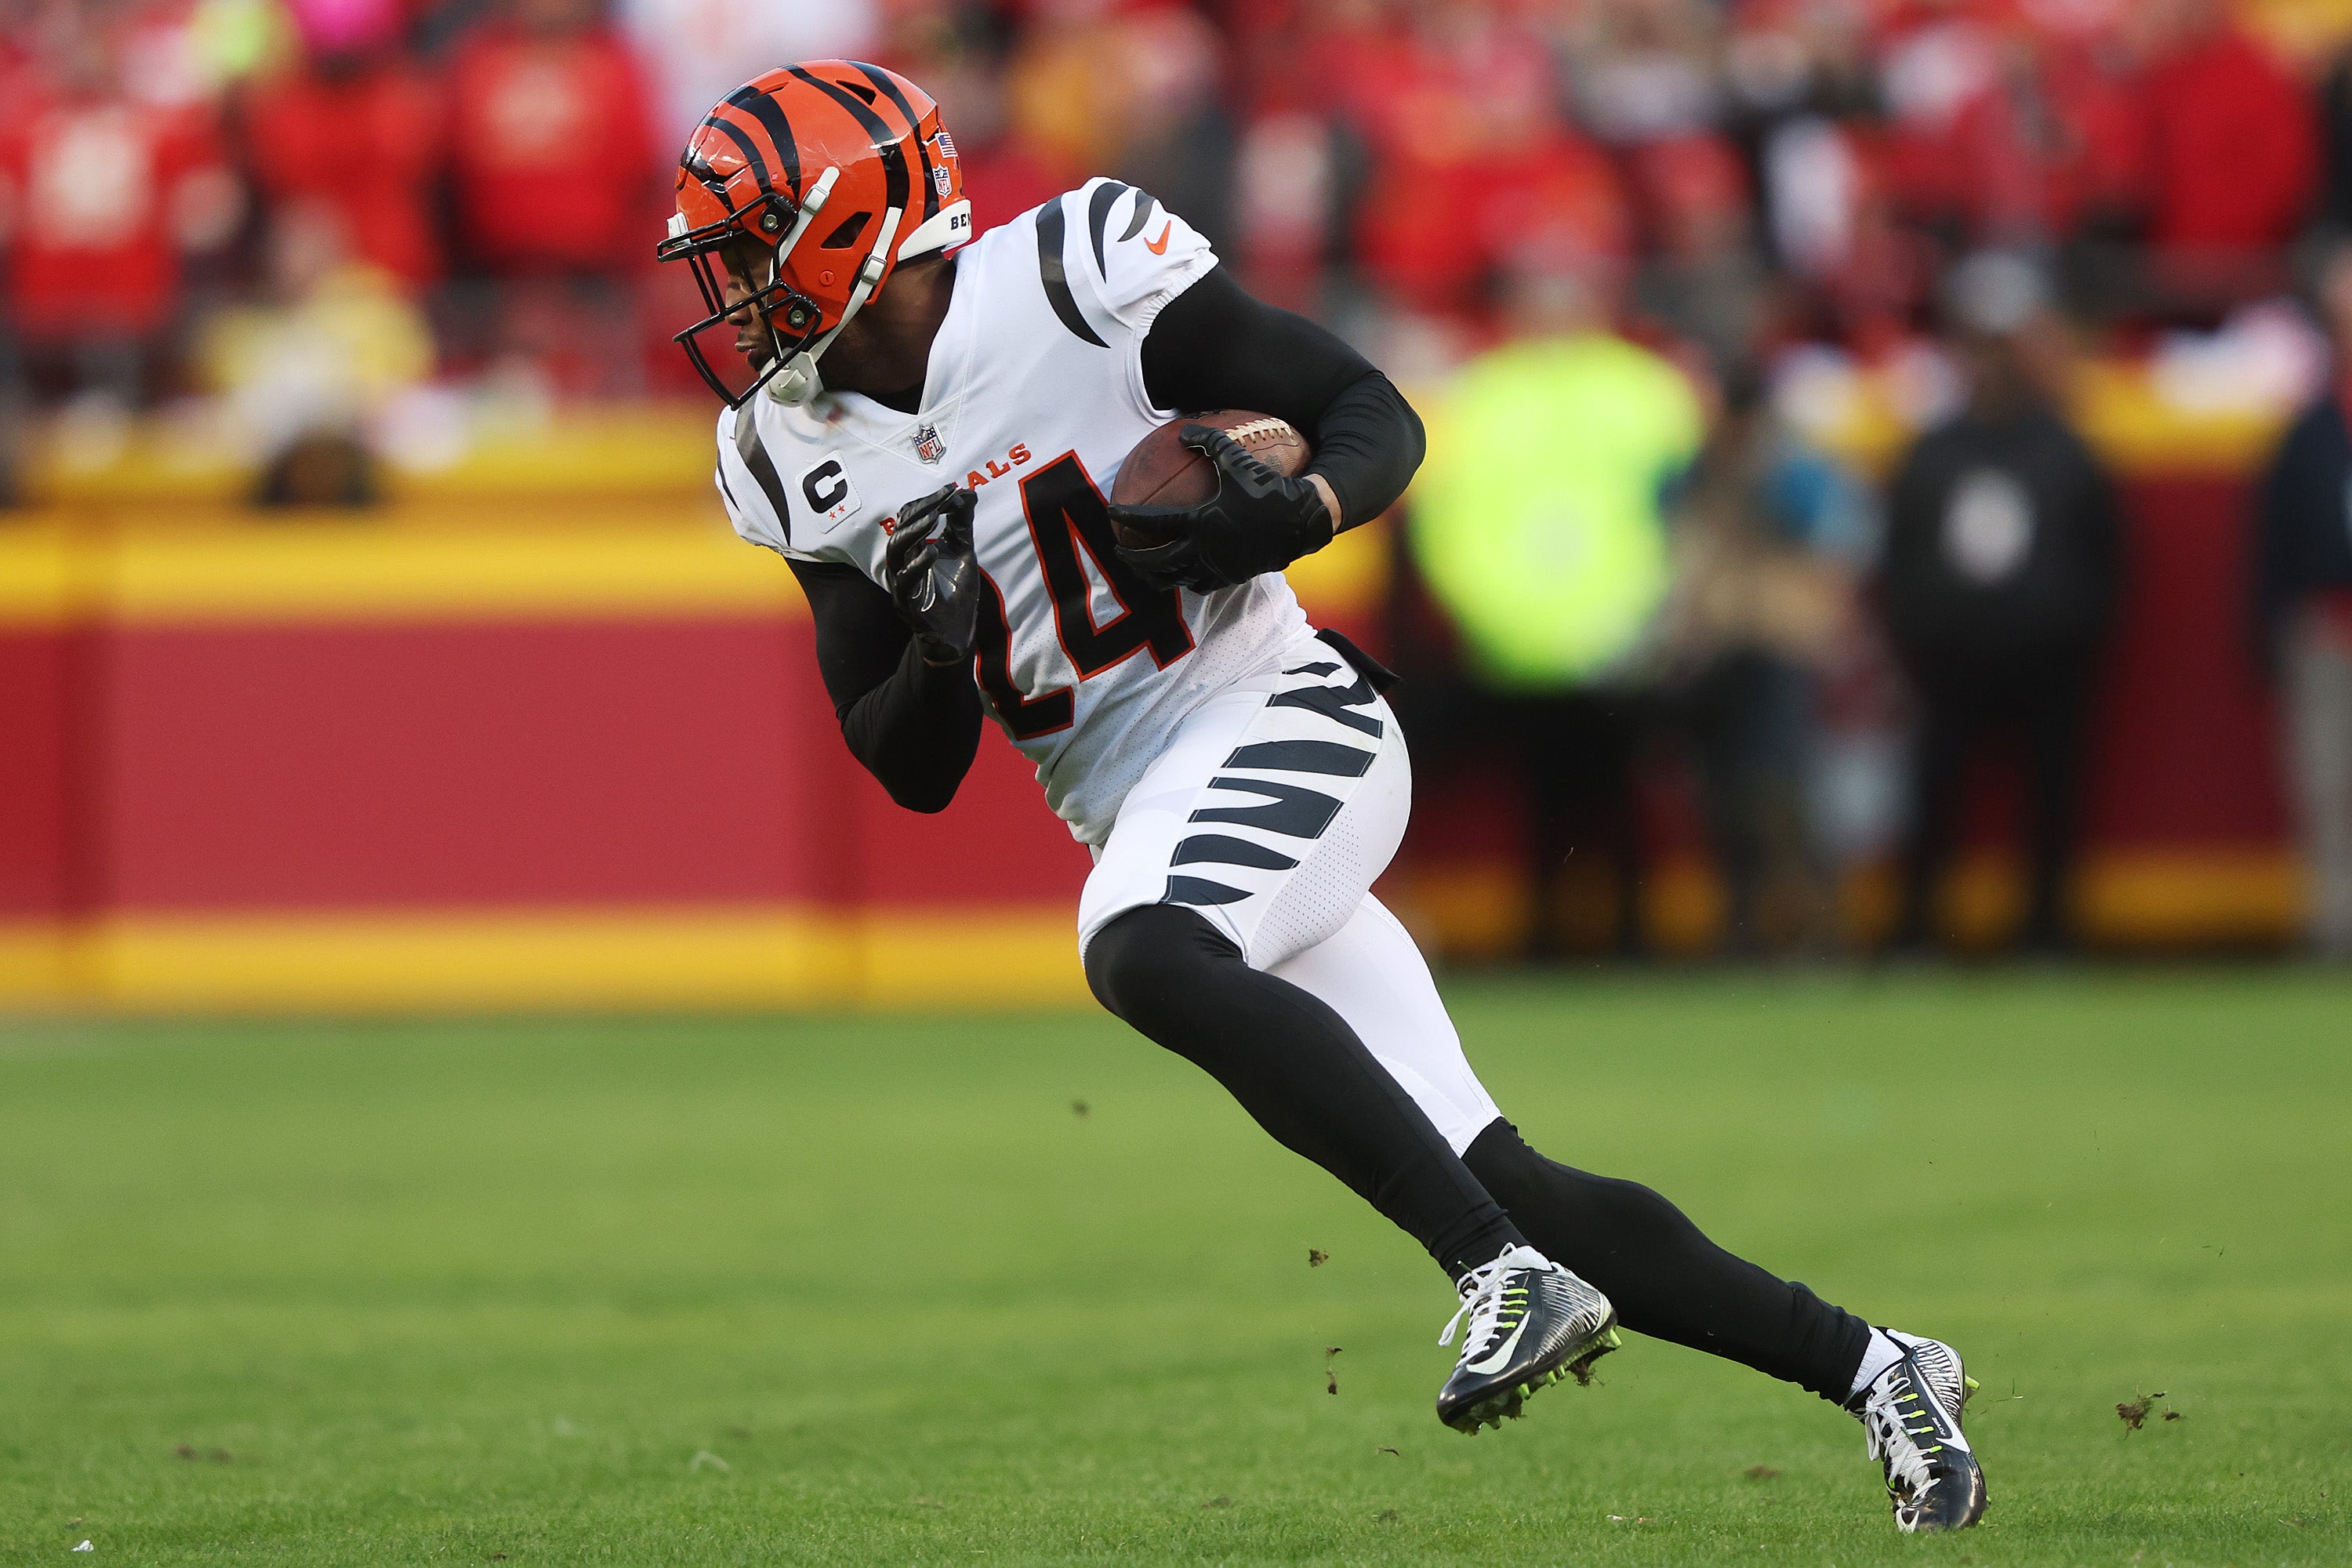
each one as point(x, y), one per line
point(91, 188)
point(1471, 162)
point(553, 152)
point(2234, 155)
point(367, 145)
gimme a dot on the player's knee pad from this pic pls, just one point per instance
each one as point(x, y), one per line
point(1150, 957)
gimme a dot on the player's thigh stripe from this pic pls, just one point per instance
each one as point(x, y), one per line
point(1292, 810)
point(1221, 849)
point(1332, 702)
point(1305, 757)
point(1200, 890)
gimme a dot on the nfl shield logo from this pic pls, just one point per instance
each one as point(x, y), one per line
point(927, 444)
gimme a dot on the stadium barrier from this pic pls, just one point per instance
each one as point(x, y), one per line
point(541, 734)
point(413, 761)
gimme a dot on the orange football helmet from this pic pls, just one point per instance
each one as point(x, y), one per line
point(816, 181)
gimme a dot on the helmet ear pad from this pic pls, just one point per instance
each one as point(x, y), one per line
point(946, 230)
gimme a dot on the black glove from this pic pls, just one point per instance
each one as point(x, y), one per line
point(932, 574)
point(1257, 521)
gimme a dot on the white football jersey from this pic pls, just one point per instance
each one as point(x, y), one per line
point(1034, 399)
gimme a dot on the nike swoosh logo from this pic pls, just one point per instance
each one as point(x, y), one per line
point(1159, 246)
point(1501, 1353)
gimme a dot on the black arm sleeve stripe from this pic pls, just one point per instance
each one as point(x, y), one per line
point(1145, 204)
point(1099, 207)
point(755, 453)
point(914, 726)
point(1213, 346)
point(1057, 277)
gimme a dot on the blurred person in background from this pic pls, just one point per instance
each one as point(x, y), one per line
point(555, 172)
point(103, 195)
point(1299, 162)
point(1805, 108)
point(2007, 128)
point(2335, 142)
point(1935, 60)
point(1647, 87)
point(14, 411)
point(1462, 96)
point(695, 52)
point(1133, 90)
point(2233, 154)
point(1537, 525)
point(357, 126)
point(2302, 617)
point(16, 86)
point(303, 374)
point(1770, 538)
point(2002, 565)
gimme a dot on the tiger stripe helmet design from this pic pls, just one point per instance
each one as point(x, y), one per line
point(815, 181)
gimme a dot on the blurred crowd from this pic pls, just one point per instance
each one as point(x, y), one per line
point(1651, 245)
point(461, 189)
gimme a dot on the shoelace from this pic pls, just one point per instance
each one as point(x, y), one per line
point(1485, 1298)
point(1885, 1420)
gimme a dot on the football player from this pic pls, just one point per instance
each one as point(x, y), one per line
point(924, 423)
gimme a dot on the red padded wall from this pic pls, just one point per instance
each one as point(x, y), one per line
point(439, 764)
point(37, 766)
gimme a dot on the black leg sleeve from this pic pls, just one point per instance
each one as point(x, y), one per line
point(1667, 1280)
point(1297, 1067)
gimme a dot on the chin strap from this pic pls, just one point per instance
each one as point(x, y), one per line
point(797, 383)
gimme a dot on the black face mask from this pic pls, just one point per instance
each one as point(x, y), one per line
point(791, 320)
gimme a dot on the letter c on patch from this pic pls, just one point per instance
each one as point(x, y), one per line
point(826, 489)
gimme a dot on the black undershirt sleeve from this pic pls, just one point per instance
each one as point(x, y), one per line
point(1213, 346)
point(914, 726)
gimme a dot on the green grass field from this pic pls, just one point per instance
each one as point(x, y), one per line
point(874, 1290)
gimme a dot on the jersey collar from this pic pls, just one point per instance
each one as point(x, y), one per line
point(945, 376)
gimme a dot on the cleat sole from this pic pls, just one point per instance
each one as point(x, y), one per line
point(1581, 1367)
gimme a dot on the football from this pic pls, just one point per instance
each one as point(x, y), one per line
point(1162, 471)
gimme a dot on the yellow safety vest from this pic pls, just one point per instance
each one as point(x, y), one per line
point(1536, 518)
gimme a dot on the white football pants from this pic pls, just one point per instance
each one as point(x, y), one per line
point(1270, 813)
